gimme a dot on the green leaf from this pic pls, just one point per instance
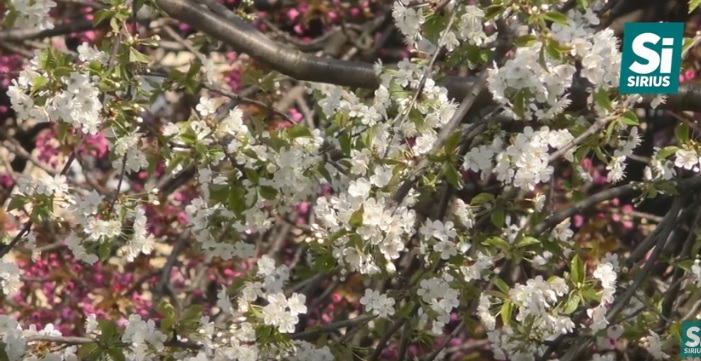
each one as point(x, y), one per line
point(297, 131)
point(114, 24)
point(577, 270)
point(405, 311)
point(356, 219)
point(498, 217)
point(88, 351)
point(651, 193)
point(16, 202)
point(38, 83)
point(452, 142)
point(666, 152)
point(501, 285)
point(667, 187)
point(105, 250)
point(602, 99)
point(506, 313)
point(452, 175)
point(236, 285)
point(582, 152)
point(541, 58)
point(695, 248)
point(138, 4)
point(497, 242)
point(268, 192)
point(433, 26)
point(251, 175)
point(10, 18)
point(108, 332)
point(556, 17)
point(165, 309)
point(686, 265)
point(176, 76)
point(686, 44)
point(675, 330)
point(101, 15)
point(629, 118)
point(493, 10)
point(600, 155)
point(136, 57)
point(3, 353)
point(497, 294)
point(324, 172)
point(192, 313)
point(520, 103)
point(527, 241)
point(481, 199)
point(525, 41)
point(62, 131)
point(167, 324)
point(556, 50)
point(190, 320)
point(251, 77)
point(325, 263)
point(193, 70)
point(572, 304)
point(552, 49)
point(590, 294)
point(336, 235)
point(693, 4)
point(116, 354)
point(237, 199)
point(344, 140)
point(682, 132)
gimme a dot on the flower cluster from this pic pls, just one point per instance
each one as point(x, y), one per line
point(598, 51)
point(535, 298)
point(625, 149)
point(525, 162)
point(441, 300)
point(390, 206)
point(143, 335)
point(535, 82)
point(282, 312)
point(382, 230)
point(606, 274)
point(379, 305)
point(76, 103)
point(30, 14)
point(10, 278)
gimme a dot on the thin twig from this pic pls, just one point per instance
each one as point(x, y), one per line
point(432, 356)
point(578, 207)
point(75, 26)
point(331, 327)
point(402, 117)
point(180, 245)
point(389, 333)
point(448, 129)
point(622, 301)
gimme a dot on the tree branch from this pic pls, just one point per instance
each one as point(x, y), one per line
point(622, 300)
point(74, 26)
point(243, 37)
point(683, 186)
point(331, 327)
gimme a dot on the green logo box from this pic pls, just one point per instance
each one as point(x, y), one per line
point(690, 345)
point(651, 58)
